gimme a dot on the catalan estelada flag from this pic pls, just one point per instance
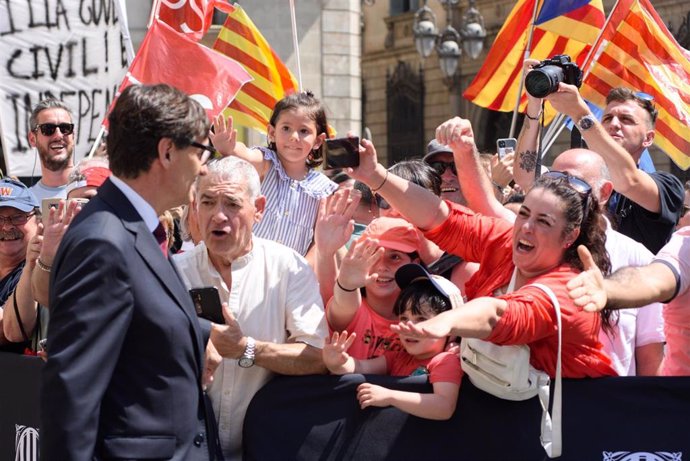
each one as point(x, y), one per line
point(241, 40)
point(560, 27)
point(637, 51)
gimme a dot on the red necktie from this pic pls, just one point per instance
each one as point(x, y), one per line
point(162, 238)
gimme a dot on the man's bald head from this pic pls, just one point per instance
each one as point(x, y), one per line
point(589, 166)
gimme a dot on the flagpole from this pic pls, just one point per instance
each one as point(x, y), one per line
point(522, 75)
point(155, 11)
point(295, 42)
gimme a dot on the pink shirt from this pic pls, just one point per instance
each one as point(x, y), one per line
point(441, 368)
point(676, 253)
point(374, 335)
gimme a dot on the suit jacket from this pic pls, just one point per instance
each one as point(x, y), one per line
point(126, 350)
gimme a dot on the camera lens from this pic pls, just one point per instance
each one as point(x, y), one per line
point(544, 81)
point(501, 143)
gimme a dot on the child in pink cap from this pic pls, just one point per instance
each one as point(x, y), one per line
point(365, 290)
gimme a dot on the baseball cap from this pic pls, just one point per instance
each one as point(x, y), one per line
point(91, 176)
point(16, 195)
point(394, 234)
point(434, 147)
point(411, 273)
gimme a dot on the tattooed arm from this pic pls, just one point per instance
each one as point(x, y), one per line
point(526, 157)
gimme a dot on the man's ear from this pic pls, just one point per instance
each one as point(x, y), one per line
point(649, 138)
point(260, 206)
point(165, 145)
point(32, 138)
point(605, 192)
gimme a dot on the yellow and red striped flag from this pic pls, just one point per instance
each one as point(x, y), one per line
point(560, 27)
point(241, 40)
point(637, 51)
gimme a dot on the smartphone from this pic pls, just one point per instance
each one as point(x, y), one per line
point(80, 201)
point(341, 153)
point(207, 304)
point(47, 204)
point(505, 146)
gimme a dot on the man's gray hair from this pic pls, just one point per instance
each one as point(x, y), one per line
point(234, 169)
point(49, 103)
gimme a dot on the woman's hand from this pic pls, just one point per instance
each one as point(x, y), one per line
point(334, 225)
point(432, 328)
point(334, 352)
point(587, 289)
point(360, 258)
point(371, 395)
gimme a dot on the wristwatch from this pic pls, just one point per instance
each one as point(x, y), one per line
point(247, 359)
point(586, 122)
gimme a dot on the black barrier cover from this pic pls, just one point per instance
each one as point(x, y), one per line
point(611, 419)
point(20, 381)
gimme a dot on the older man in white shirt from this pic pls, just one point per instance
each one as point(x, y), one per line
point(278, 317)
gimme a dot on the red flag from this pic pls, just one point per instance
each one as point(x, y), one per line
point(637, 51)
point(190, 17)
point(168, 57)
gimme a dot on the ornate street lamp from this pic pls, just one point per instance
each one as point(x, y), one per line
point(473, 31)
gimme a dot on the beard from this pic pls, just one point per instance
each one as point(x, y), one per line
point(57, 163)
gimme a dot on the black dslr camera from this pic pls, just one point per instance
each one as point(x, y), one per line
point(545, 76)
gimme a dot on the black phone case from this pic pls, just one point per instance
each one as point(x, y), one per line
point(207, 304)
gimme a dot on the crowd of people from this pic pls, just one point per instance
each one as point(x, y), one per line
point(365, 270)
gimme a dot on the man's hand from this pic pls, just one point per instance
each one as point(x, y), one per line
point(212, 360)
point(502, 169)
point(371, 395)
point(54, 227)
point(587, 289)
point(224, 137)
point(228, 339)
point(457, 134)
point(567, 100)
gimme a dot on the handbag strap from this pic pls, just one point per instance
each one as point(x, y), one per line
point(551, 433)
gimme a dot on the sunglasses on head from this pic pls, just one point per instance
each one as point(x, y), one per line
point(440, 167)
point(579, 185)
point(48, 129)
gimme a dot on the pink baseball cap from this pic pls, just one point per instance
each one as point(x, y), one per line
point(394, 234)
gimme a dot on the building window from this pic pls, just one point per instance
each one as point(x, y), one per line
point(403, 6)
point(405, 113)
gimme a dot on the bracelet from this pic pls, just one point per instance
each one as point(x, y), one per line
point(43, 266)
point(385, 178)
point(337, 282)
point(533, 118)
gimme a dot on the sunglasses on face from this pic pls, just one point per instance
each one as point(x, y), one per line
point(441, 167)
point(48, 129)
point(207, 153)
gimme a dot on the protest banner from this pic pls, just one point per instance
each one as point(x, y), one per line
point(70, 50)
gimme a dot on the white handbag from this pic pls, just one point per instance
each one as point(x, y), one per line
point(505, 372)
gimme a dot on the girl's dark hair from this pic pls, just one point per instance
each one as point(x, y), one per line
point(312, 107)
point(579, 205)
point(420, 173)
point(421, 297)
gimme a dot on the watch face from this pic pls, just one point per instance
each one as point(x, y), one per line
point(586, 123)
point(246, 362)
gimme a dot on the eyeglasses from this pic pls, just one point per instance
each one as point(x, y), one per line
point(579, 185)
point(48, 129)
point(17, 219)
point(441, 167)
point(381, 202)
point(207, 153)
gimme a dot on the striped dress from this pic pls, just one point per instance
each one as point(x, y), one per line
point(291, 205)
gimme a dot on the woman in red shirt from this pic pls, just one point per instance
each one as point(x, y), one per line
point(558, 214)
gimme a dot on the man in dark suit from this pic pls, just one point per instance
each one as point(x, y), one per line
point(126, 350)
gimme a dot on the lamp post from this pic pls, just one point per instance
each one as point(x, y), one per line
point(450, 43)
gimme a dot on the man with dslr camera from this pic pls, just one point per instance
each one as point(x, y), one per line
point(646, 205)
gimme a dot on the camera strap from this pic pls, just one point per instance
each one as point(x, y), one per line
point(540, 143)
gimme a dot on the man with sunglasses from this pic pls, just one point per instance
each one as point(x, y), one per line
point(18, 226)
point(52, 134)
point(645, 207)
point(440, 158)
